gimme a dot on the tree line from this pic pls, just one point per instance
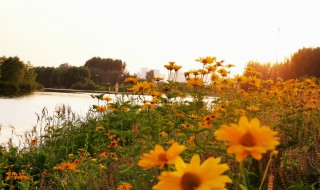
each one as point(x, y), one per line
point(303, 63)
point(16, 76)
point(96, 74)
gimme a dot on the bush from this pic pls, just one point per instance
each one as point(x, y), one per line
point(87, 85)
point(25, 87)
point(8, 88)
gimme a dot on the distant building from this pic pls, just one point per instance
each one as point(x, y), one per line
point(142, 73)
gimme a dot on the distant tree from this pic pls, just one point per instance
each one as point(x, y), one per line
point(12, 70)
point(262, 68)
point(44, 76)
point(71, 75)
point(306, 62)
point(62, 77)
point(106, 70)
point(149, 75)
point(29, 74)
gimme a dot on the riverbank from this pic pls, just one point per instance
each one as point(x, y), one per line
point(84, 91)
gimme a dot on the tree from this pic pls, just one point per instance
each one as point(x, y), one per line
point(106, 70)
point(12, 70)
point(149, 75)
point(44, 76)
point(306, 62)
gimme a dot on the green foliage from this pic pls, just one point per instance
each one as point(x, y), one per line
point(16, 76)
point(106, 70)
point(12, 70)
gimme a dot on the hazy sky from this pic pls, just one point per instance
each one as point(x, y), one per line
point(149, 33)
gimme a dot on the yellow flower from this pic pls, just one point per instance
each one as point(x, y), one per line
point(248, 138)
point(140, 87)
point(195, 176)
point(159, 157)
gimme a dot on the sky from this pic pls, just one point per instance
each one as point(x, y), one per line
point(150, 33)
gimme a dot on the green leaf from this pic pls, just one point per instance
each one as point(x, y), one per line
point(242, 187)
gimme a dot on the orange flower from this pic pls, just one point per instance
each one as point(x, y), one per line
point(101, 108)
point(195, 82)
point(206, 60)
point(248, 138)
point(67, 166)
point(132, 80)
point(159, 157)
point(176, 67)
point(107, 98)
point(10, 175)
point(124, 186)
point(99, 128)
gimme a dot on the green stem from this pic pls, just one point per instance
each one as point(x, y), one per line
point(265, 172)
point(242, 174)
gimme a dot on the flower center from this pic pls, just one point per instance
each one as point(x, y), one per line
point(163, 157)
point(190, 181)
point(247, 139)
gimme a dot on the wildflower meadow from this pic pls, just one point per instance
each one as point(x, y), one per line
point(212, 132)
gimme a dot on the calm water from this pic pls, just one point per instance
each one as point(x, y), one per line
point(21, 112)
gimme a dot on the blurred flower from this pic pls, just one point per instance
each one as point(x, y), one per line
point(252, 108)
point(194, 175)
point(101, 108)
point(99, 128)
point(104, 154)
point(159, 157)
point(140, 87)
point(176, 67)
point(169, 67)
point(248, 138)
point(164, 134)
point(240, 111)
point(195, 82)
point(149, 106)
point(67, 166)
point(107, 98)
point(10, 175)
point(132, 80)
point(124, 186)
point(34, 142)
point(157, 79)
point(206, 60)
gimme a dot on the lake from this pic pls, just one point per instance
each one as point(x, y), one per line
point(21, 112)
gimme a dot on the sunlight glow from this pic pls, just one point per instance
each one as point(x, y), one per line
point(150, 33)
